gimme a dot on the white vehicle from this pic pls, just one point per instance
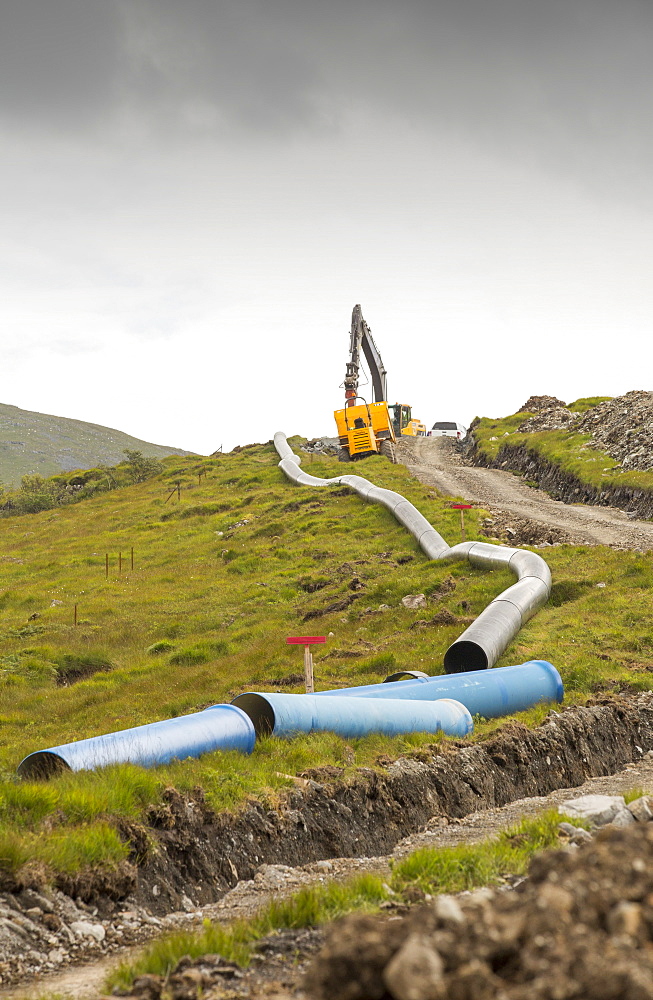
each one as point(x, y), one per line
point(447, 428)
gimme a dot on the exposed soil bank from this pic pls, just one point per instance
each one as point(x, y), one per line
point(196, 855)
point(559, 484)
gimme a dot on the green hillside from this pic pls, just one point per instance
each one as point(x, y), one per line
point(38, 443)
point(222, 574)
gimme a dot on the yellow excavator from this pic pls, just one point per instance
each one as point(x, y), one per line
point(370, 428)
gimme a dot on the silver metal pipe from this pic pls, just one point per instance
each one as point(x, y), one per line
point(481, 644)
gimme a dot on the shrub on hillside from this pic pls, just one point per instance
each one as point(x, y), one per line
point(163, 646)
point(36, 493)
point(73, 667)
point(140, 468)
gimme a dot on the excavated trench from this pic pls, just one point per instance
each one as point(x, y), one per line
point(185, 856)
point(200, 854)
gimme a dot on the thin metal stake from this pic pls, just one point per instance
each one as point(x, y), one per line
point(308, 670)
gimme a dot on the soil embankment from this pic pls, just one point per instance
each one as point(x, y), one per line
point(578, 927)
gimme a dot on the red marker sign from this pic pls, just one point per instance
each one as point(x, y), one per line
point(305, 640)
point(461, 506)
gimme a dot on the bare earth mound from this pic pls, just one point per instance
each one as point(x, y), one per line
point(581, 926)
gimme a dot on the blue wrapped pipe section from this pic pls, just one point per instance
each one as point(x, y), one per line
point(220, 727)
point(286, 715)
point(489, 693)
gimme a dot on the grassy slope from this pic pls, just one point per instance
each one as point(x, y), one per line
point(566, 449)
point(44, 444)
point(220, 580)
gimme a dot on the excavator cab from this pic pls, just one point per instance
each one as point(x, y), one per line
point(403, 423)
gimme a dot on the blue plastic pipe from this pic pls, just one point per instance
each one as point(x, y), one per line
point(287, 715)
point(220, 727)
point(490, 693)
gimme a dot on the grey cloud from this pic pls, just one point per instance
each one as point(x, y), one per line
point(58, 59)
point(211, 62)
point(567, 82)
point(80, 63)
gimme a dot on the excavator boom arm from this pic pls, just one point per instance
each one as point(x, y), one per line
point(361, 338)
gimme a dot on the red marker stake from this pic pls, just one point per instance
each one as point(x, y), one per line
point(307, 641)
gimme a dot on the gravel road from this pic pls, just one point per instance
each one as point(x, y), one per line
point(438, 463)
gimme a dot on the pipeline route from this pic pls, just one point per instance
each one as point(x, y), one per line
point(480, 645)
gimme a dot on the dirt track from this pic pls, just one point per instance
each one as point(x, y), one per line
point(438, 463)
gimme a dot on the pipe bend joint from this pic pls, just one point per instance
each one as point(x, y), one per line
point(524, 563)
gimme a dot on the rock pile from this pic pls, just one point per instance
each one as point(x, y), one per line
point(513, 530)
point(623, 427)
point(535, 404)
point(551, 414)
point(45, 930)
point(580, 926)
point(322, 446)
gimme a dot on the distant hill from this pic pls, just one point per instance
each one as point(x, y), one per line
point(41, 443)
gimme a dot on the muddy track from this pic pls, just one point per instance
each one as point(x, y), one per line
point(438, 463)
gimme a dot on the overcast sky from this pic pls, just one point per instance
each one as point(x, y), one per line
point(194, 196)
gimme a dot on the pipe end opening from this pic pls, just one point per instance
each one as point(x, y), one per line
point(42, 765)
point(259, 710)
point(465, 656)
point(404, 675)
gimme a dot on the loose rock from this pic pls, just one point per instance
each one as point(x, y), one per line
point(416, 971)
point(596, 809)
point(414, 601)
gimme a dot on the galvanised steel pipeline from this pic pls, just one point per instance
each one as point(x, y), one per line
point(490, 693)
point(219, 727)
point(481, 645)
point(286, 715)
